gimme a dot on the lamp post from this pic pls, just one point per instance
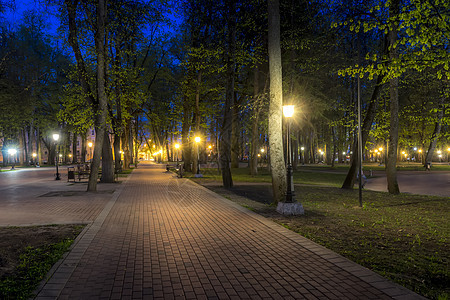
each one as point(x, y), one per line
point(290, 206)
point(177, 146)
point(197, 141)
point(34, 155)
point(303, 155)
point(288, 112)
point(13, 152)
point(210, 152)
point(56, 138)
point(90, 150)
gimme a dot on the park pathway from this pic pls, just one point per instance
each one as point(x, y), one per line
point(161, 237)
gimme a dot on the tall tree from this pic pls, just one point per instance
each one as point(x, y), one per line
point(391, 167)
point(277, 166)
point(225, 136)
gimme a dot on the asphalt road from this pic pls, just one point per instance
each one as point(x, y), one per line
point(435, 183)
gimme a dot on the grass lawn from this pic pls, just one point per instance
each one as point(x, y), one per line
point(28, 253)
point(404, 238)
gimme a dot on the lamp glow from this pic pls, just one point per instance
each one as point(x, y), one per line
point(288, 111)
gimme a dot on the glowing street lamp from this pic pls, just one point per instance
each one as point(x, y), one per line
point(197, 141)
point(289, 206)
point(90, 144)
point(34, 155)
point(177, 146)
point(56, 139)
point(288, 112)
point(12, 152)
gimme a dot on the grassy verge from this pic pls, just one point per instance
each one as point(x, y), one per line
point(404, 238)
point(32, 262)
point(303, 176)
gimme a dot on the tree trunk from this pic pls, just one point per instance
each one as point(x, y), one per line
point(126, 146)
point(83, 148)
point(366, 126)
point(74, 148)
point(38, 145)
point(391, 167)
point(197, 123)
point(102, 110)
point(117, 154)
point(225, 136)
point(436, 132)
point(185, 147)
point(107, 161)
point(235, 135)
point(254, 135)
point(277, 166)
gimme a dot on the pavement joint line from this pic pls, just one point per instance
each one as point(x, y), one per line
point(392, 289)
point(63, 269)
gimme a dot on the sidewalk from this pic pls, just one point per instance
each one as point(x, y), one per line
point(161, 237)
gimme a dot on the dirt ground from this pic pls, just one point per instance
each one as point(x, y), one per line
point(13, 241)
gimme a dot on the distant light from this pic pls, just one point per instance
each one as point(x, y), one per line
point(415, 148)
point(288, 111)
point(56, 136)
point(197, 139)
point(262, 150)
point(12, 151)
point(302, 148)
point(177, 146)
point(34, 154)
point(90, 144)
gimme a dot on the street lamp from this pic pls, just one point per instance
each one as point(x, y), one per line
point(56, 138)
point(197, 141)
point(289, 206)
point(210, 152)
point(90, 150)
point(34, 155)
point(288, 112)
point(12, 152)
point(177, 146)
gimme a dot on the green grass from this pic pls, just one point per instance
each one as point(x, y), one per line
point(33, 267)
point(301, 176)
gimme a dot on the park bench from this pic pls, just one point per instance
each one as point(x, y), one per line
point(175, 168)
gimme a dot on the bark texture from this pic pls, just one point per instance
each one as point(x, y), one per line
point(277, 165)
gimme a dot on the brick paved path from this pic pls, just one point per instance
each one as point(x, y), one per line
point(160, 237)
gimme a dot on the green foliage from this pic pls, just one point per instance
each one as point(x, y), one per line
point(421, 45)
